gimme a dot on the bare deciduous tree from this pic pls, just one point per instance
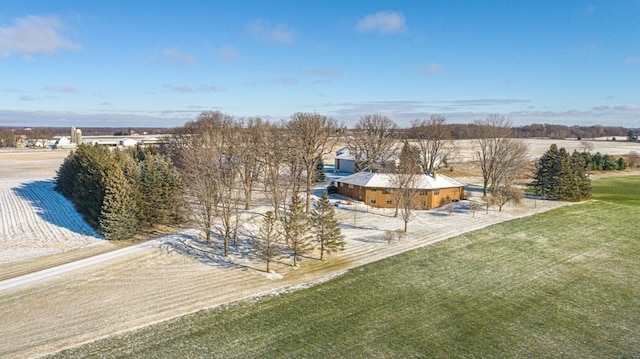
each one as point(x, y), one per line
point(405, 188)
point(505, 193)
point(194, 148)
point(371, 142)
point(311, 136)
point(247, 154)
point(433, 140)
point(499, 156)
point(273, 151)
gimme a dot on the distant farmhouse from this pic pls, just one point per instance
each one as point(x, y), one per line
point(377, 189)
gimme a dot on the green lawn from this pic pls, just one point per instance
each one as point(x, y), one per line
point(561, 284)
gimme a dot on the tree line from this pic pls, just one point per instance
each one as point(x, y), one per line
point(120, 193)
point(217, 167)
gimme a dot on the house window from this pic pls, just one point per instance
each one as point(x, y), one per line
point(341, 184)
point(423, 204)
point(423, 192)
point(436, 192)
point(350, 186)
point(389, 201)
point(373, 201)
point(374, 189)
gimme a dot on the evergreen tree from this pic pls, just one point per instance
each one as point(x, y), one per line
point(117, 218)
point(131, 169)
point(328, 234)
point(580, 178)
point(66, 175)
point(296, 229)
point(561, 176)
point(320, 176)
point(94, 164)
point(267, 244)
point(546, 173)
point(622, 165)
point(161, 189)
point(409, 160)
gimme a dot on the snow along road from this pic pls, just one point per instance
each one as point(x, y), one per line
point(52, 272)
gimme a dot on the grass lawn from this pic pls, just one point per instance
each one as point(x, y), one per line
point(565, 283)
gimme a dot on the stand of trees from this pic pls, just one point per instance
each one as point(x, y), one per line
point(121, 192)
point(225, 160)
point(599, 162)
point(561, 176)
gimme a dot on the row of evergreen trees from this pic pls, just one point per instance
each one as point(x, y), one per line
point(121, 192)
point(561, 176)
point(600, 162)
point(298, 233)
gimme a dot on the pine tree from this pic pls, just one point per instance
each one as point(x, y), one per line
point(561, 176)
point(89, 187)
point(328, 234)
point(409, 160)
point(581, 179)
point(296, 229)
point(267, 244)
point(161, 190)
point(117, 218)
point(320, 176)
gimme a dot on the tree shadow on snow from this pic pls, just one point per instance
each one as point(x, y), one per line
point(194, 246)
point(53, 207)
point(370, 239)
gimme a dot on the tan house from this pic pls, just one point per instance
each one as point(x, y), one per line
point(377, 189)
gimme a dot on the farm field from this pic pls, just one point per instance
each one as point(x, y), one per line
point(563, 283)
point(178, 275)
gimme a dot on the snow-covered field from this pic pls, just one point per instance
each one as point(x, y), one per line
point(35, 220)
point(177, 274)
point(538, 146)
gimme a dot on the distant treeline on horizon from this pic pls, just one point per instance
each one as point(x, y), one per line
point(457, 131)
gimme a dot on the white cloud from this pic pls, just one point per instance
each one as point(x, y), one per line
point(228, 53)
point(286, 80)
point(181, 89)
point(177, 56)
point(634, 60)
point(271, 34)
point(189, 89)
point(62, 89)
point(27, 98)
point(433, 69)
point(324, 72)
point(209, 88)
point(383, 22)
point(33, 35)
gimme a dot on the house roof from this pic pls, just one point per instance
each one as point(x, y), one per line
point(386, 180)
point(346, 156)
point(343, 150)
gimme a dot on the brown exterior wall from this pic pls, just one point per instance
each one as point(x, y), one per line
point(383, 195)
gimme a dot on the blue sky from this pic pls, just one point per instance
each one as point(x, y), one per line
point(161, 63)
